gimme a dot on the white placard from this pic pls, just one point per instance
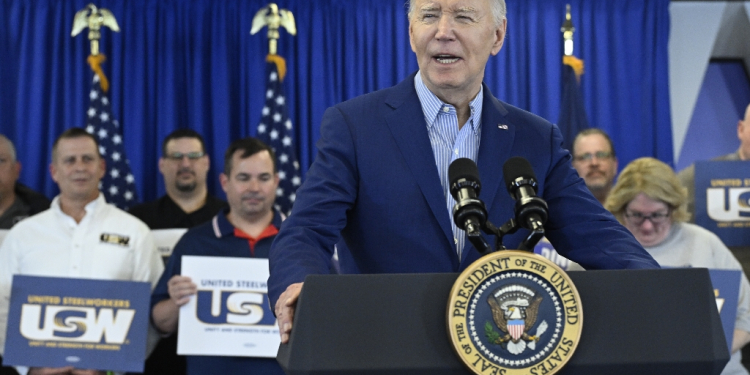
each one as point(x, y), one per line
point(3, 233)
point(165, 239)
point(230, 315)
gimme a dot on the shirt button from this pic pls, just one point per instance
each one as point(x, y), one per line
point(455, 240)
point(456, 151)
point(446, 109)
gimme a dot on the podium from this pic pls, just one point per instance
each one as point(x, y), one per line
point(634, 322)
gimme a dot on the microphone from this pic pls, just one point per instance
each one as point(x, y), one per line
point(530, 210)
point(469, 213)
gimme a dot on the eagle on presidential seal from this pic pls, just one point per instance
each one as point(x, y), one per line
point(514, 310)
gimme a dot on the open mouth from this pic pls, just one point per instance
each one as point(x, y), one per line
point(446, 59)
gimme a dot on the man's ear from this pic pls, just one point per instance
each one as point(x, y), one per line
point(499, 37)
point(223, 179)
point(17, 170)
point(52, 171)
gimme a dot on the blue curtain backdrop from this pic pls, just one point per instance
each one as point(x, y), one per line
point(193, 63)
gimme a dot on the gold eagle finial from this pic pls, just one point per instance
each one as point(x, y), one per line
point(93, 18)
point(273, 17)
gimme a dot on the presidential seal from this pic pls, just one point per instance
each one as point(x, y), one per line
point(514, 312)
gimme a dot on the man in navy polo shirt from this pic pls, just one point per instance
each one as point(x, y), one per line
point(246, 229)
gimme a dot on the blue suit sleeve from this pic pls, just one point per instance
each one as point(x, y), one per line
point(304, 244)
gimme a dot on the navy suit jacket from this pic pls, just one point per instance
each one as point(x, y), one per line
point(375, 184)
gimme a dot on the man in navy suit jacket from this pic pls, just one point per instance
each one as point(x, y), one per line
point(379, 180)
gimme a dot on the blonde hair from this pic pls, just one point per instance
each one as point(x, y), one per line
point(652, 178)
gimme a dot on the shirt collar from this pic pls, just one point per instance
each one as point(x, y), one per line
point(431, 104)
point(222, 227)
point(89, 208)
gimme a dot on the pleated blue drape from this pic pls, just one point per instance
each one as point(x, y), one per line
point(193, 63)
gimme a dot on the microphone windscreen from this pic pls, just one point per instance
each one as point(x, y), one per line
point(517, 167)
point(463, 168)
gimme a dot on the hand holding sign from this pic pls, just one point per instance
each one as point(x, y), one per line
point(165, 314)
point(180, 289)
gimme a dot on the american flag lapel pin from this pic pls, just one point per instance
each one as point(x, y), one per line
point(502, 126)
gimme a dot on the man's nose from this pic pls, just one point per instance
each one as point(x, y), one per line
point(79, 165)
point(444, 27)
point(253, 185)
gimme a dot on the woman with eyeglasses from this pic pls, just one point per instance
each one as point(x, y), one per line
point(650, 201)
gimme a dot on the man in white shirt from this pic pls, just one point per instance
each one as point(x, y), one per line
point(69, 239)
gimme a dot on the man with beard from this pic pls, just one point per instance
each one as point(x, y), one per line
point(184, 165)
point(595, 160)
point(245, 230)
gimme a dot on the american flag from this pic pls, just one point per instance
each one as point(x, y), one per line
point(118, 184)
point(276, 130)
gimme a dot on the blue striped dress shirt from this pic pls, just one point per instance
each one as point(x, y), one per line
point(449, 143)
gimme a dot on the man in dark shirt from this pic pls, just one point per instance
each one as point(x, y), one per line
point(16, 200)
point(184, 165)
point(245, 230)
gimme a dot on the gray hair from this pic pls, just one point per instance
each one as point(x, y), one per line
point(498, 10)
point(10, 146)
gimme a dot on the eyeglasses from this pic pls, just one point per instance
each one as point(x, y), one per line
point(587, 157)
point(637, 218)
point(178, 156)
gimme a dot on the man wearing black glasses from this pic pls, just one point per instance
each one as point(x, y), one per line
point(184, 165)
point(595, 160)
